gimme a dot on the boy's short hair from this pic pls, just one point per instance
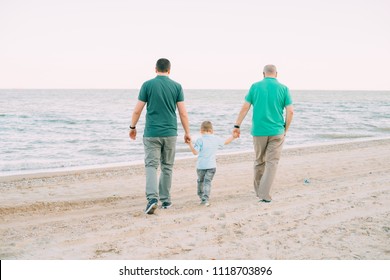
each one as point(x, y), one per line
point(163, 65)
point(206, 126)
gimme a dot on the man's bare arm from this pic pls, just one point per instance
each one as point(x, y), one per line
point(289, 117)
point(135, 117)
point(241, 116)
point(184, 120)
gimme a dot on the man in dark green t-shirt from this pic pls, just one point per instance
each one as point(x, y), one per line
point(269, 99)
point(161, 96)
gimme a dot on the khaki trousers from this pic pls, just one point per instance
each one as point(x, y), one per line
point(267, 152)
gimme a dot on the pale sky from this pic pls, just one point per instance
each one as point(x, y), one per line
point(212, 44)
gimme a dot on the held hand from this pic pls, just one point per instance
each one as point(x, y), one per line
point(187, 138)
point(133, 134)
point(189, 142)
point(236, 132)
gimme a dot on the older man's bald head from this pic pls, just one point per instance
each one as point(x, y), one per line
point(270, 71)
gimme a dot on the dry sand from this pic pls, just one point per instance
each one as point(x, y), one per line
point(343, 213)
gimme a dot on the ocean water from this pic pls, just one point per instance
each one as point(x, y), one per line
point(46, 129)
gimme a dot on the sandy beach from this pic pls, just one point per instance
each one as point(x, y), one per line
point(342, 213)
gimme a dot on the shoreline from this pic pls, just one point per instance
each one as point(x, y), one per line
point(15, 175)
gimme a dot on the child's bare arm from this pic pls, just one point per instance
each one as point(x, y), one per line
point(195, 152)
point(229, 140)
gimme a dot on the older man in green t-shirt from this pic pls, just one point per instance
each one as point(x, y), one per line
point(162, 95)
point(269, 99)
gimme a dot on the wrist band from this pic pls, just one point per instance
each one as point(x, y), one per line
point(132, 127)
point(236, 126)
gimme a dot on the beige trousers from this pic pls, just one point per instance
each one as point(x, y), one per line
point(267, 151)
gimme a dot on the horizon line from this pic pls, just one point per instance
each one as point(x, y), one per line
point(189, 89)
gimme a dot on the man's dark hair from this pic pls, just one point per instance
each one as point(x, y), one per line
point(163, 65)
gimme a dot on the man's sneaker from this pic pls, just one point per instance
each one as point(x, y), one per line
point(264, 200)
point(152, 205)
point(166, 205)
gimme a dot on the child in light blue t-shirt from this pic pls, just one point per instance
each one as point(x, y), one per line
point(206, 148)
